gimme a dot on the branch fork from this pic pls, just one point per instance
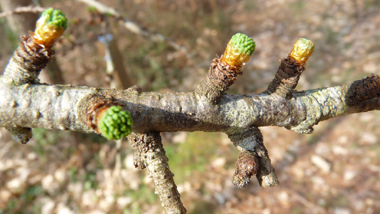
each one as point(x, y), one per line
point(253, 158)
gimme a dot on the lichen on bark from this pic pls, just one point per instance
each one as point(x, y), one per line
point(64, 107)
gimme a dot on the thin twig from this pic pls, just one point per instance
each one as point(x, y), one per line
point(297, 196)
point(132, 26)
point(151, 154)
point(26, 9)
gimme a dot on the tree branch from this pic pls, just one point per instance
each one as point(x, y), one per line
point(65, 107)
point(27, 104)
point(150, 154)
point(26, 9)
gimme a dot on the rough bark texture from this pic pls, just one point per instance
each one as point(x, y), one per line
point(64, 107)
point(362, 90)
point(286, 78)
point(220, 77)
point(151, 155)
point(24, 67)
point(27, 62)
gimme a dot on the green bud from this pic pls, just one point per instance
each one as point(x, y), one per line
point(243, 43)
point(115, 123)
point(53, 17)
point(50, 26)
point(239, 49)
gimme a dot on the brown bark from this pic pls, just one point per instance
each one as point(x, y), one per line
point(253, 159)
point(286, 78)
point(220, 77)
point(22, 24)
point(27, 62)
point(150, 152)
point(65, 107)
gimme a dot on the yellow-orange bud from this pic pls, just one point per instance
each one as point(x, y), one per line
point(238, 50)
point(302, 50)
point(50, 26)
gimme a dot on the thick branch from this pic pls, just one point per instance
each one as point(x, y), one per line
point(65, 107)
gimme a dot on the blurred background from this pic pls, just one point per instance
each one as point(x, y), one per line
point(168, 46)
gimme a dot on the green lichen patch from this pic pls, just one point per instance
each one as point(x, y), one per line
point(115, 123)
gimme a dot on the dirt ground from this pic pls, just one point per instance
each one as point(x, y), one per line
point(334, 170)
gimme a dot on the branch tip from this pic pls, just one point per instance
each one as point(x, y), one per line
point(266, 175)
point(246, 166)
point(302, 50)
point(362, 90)
point(20, 134)
point(238, 50)
point(50, 26)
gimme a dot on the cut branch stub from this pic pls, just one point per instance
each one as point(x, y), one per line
point(246, 166)
point(151, 154)
point(223, 72)
point(362, 90)
point(291, 68)
point(253, 159)
point(21, 134)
